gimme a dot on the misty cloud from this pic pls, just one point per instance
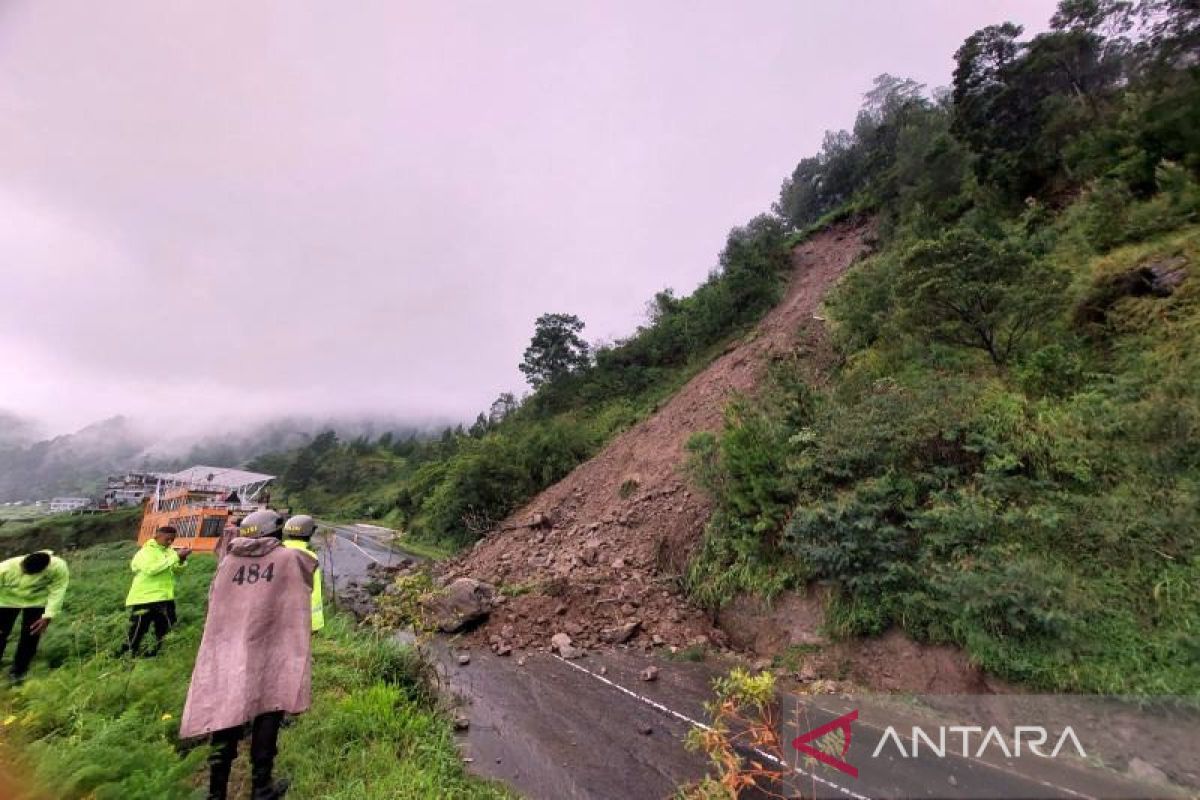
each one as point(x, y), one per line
point(242, 210)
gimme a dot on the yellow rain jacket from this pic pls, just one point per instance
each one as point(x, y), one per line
point(318, 607)
point(46, 589)
point(154, 569)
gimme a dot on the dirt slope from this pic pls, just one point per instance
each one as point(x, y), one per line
point(586, 558)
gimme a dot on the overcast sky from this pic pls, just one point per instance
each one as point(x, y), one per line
point(225, 210)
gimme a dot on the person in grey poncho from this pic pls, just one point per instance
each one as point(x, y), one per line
point(255, 660)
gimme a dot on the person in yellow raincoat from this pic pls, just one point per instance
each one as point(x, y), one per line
point(32, 587)
point(297, 534)
point(151, 598)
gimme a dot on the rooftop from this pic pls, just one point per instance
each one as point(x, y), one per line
point(216, 477)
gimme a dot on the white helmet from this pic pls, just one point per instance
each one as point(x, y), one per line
point(265, 522)
point(301, 526)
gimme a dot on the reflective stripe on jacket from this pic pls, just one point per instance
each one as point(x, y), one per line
point(318, 608)
point(154, 569)
point(46, 589)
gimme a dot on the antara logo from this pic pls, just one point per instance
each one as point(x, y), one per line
point(1034, 737)
point(842, 723)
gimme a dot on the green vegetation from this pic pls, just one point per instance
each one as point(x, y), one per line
point(1005, 458)
point(89, 724)
point(448, 490)
point(61, 532)
point(1003, 455)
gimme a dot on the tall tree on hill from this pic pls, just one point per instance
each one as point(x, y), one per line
point(967, 290)
point(556, 349)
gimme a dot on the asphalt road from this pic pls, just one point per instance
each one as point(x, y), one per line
point(591, 729)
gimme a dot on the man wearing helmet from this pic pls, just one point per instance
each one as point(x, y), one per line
point(255, 660)
point(297, 534)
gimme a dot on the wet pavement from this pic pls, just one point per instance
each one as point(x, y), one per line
point(592, 729)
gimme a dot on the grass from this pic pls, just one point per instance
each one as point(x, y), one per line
point(87, 724)
point(1043, 516)
point(434, 551)
point(68, 531)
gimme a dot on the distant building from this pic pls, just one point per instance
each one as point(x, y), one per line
point(200, 500)
point(129, 489)
point(61, 504)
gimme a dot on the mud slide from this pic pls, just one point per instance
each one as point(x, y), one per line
point(595, 552)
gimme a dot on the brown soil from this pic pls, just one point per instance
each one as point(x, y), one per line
point(598, 549)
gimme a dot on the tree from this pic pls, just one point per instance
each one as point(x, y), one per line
point(501, 407)
point(300, 473)
point(480, 428)
point(555, 350)
point(967, 290)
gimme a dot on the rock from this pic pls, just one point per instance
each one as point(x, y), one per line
point(645, 730)
point(621, 633)
point(657, 640)
point(761, 665)
point(649, 674)
point(953, 781)
point(521, 661)
point(629, 609)
point(461, 723)
point(1145, 771)
point(573, 628)
point(560, 609)
point(604, 670)
point(562, 643)
point(502, 650)
point(463, 602)
point(507, 632)
point(464, 659)
point(618, 563)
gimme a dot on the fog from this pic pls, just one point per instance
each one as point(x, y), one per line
point(227, 211)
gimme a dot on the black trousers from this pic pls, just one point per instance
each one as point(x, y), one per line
point(28, 643)
point(264, 738)
point(160, 615)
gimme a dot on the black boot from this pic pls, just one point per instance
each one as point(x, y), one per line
point(220, 762)
point(273, 790)
point(218, 780)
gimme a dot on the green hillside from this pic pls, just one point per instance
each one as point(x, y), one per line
point(1002, 454)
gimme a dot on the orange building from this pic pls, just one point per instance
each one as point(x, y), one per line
point(198, 501)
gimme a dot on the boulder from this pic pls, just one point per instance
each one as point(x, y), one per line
point(562, 643)
point(621, 633)
point(463, 602)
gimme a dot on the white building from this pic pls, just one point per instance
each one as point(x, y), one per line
point(60, 504)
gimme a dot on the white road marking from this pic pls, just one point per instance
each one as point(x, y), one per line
point(353, 544)
point(684, 718)
point(850, 792)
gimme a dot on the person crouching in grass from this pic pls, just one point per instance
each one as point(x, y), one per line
point(32, 587)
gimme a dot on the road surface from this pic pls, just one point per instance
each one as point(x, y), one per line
point(591, 729)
